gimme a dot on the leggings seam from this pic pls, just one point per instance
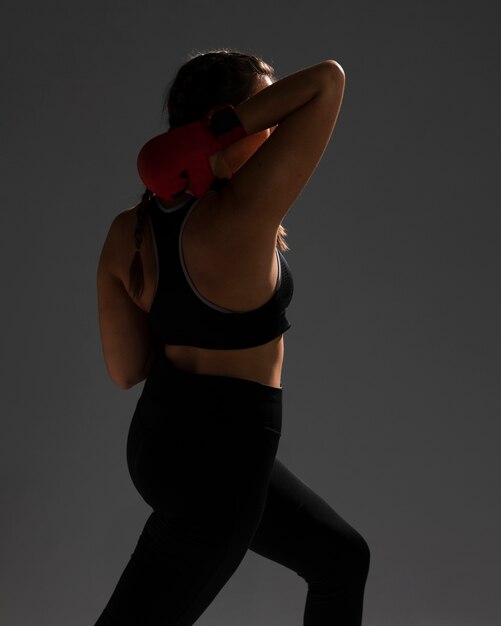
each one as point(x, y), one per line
point(273, 430)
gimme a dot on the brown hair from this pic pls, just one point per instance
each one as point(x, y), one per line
point(207, 79)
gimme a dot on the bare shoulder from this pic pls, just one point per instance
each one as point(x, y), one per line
point(124, 219)
point(119, 241)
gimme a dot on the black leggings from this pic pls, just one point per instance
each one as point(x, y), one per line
point(201, 451)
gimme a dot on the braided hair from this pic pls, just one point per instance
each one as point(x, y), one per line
point(136, 275)
point(207, 79)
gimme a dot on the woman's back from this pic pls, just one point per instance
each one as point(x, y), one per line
point(235, 282)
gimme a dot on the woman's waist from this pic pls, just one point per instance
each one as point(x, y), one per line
point(261, 364)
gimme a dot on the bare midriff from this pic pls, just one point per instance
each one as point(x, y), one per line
point(262, 363)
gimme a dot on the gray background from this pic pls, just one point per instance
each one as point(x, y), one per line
point(392, 364)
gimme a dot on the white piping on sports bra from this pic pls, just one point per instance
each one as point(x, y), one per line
point(172, 208)
point(187, 276)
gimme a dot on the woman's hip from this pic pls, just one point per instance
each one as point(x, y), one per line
point(198, 444)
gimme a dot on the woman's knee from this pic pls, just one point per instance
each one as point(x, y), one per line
point(342, 556)
point(363, 554)
point(356, 555)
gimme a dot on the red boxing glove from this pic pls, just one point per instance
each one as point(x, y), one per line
point(177, 161)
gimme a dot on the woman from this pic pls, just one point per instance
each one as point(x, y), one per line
point(200, 316)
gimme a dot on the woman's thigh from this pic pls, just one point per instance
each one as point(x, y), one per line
point(301, 531)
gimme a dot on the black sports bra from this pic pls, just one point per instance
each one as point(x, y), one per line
point(180, 315)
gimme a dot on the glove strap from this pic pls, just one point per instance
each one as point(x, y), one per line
point(226, 126)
